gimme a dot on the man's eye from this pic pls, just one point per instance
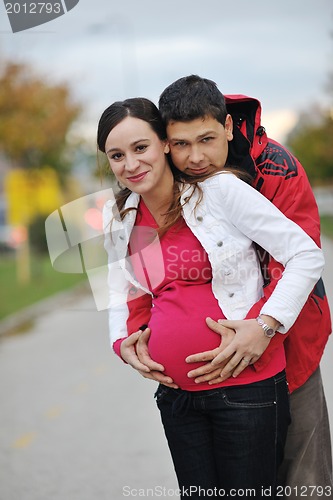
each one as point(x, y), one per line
point(207, 139)
point(180, 144)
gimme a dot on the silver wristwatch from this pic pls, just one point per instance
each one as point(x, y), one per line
point(268, 331)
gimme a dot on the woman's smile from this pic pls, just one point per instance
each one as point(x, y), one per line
point(137, 177)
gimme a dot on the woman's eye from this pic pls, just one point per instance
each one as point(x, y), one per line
point(141, 148)
point(116, 156)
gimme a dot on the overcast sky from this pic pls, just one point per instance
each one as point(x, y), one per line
point(278, 51)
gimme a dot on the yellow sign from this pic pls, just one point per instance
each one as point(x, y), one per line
point(30, 193)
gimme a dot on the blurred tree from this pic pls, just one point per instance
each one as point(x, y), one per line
point(35, 119)
point(311, 141)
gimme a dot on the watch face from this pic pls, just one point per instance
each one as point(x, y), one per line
point(270, 332)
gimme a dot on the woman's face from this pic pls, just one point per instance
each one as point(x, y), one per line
point(137, 155)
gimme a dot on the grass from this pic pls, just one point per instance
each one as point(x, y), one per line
point(44, 282)
point(327, 225)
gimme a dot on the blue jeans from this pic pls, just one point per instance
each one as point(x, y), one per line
point(227, 441)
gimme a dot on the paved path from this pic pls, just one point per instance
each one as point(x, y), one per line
point(76, 423)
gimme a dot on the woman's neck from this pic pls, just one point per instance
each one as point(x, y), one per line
point(158, 202)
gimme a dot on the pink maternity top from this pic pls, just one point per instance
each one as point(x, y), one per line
point(179, 275)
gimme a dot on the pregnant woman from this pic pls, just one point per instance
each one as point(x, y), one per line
point(189, 247)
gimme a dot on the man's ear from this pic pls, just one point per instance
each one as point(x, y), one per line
point(167, 147)
point(229, 127)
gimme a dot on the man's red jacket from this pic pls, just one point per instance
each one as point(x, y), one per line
point(281, 178)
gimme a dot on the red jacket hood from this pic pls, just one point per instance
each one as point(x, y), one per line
point(246, 115)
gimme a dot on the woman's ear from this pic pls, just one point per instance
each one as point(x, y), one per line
point(229, 127)
point(166, 147)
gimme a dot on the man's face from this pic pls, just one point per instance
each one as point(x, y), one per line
point(200, 146)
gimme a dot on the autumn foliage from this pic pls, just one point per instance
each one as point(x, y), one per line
point(35, 118)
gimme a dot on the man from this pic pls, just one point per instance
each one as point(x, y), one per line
point(186, 107)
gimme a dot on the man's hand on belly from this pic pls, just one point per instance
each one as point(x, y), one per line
point(208, 372)
point(248, 345)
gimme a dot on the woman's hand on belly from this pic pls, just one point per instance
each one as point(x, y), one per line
point(134, 351)
point(155, 369)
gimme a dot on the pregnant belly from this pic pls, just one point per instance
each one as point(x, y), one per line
point(178, 329)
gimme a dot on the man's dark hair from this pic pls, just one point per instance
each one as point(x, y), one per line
point(192, 97)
